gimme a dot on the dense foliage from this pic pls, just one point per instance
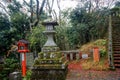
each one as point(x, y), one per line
point(4, 33)
point(37, 38)
point(76, 27)
point(87, 26)
point(10, 65)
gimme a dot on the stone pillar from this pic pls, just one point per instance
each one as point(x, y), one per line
point(71, 56)
point(77, 56)
point(65, 55)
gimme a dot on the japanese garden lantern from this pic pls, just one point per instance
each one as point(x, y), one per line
point(23, 46)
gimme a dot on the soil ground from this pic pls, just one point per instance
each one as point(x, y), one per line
point(93, 75)
point(77, 73)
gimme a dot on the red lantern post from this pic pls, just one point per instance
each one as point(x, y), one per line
point(23, 48)
point(96, 54)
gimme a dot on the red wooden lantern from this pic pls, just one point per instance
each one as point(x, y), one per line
point(23, 46)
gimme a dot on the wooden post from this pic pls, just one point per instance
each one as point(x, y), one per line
point(23, 64)
point(96, 55)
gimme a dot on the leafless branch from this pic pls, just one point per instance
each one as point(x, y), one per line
point(55, 15)
point(58, 4)
point(38, 13)
point(4, 8)
point(26, 3)
point(37, 9)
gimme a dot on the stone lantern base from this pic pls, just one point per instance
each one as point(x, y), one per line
point(49, 74)
point(50, 65)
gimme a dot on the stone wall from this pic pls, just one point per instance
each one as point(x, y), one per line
point(49, 74)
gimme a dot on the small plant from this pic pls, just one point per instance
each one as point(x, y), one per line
point(10, 65)
point(36, 62)
point(103, 52)
point(41, 55)
point(28, 75)
point(100, 42)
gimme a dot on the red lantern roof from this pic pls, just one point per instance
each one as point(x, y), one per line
point(23, 41)
point(23, 46)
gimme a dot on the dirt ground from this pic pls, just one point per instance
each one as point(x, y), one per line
point(77, 73)
point(93, 75)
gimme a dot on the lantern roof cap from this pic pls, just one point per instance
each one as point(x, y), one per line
point(50, 21)
point(23, 41)
point(54, 23)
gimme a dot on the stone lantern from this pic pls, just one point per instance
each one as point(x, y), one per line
point(50, 33)
point(50, 64)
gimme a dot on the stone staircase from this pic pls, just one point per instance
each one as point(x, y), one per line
point(116, 40)
point(116, 50)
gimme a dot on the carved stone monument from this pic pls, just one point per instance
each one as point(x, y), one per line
point(50, 64)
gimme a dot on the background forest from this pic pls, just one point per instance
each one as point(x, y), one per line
point(86, 22)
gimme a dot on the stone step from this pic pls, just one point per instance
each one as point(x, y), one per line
point(117, 42)
point(117, 61)
point(117, 65)
point(117, 58)
point(116, 52)
point(118, 55)
point(116, 49)
point(116, 45)
point(117, 22)
point(116, 37)
point(115, 25)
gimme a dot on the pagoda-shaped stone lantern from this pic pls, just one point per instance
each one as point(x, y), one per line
point(50, 64)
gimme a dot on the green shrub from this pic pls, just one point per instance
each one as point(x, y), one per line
point(28, 75)
point(103, 52)
point(9, 66)
point(100, 42)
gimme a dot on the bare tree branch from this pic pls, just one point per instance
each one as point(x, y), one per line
point(41, 8)
point(58, 4)
point(4, 8)
point(55, 15)
point(50, 6)
point(31, 10)
point(26, 3)
point(37, 9)
point(38, 12)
